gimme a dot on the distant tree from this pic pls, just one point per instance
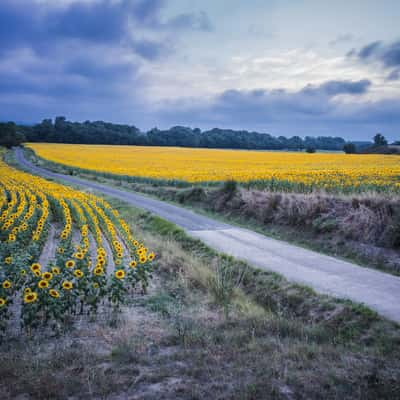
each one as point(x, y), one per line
point(310, 149)
point(379, 140)
point(9, 135)
point(396, 143)
point(350, 148)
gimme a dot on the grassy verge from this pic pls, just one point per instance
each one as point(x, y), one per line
point(366, 235)
point(210, 327)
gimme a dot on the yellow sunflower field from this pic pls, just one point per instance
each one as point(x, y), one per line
point(287, 171)
point(96, 258)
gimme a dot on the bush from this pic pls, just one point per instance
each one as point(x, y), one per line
point(350, 148)
point(310, 149)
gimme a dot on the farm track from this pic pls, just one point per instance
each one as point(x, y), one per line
point(377, 290)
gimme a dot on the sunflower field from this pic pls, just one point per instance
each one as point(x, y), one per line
point(279, 171)
point(96, 261)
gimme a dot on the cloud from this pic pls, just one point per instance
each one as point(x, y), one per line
point(387, 54)
point(312, 110)
point(71, 53)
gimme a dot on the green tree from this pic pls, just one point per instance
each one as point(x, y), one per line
point(379, 140)
point(349, 148)
point(9, 136)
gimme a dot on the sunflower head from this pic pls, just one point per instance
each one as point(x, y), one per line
point(55, 270)
point(6, 284)
point(78, 273)
point(22, 272)
point(42, 284)
point(142, 259)
point(2, 302)
point(98, 271)
point(120, 274)
point(27, 290)
point(36, 267)
point(54, 293)
point(133, 264)
point(151, 256)
point(47, 276)
point(70, 264)
point(30, 297)
point(67, 285)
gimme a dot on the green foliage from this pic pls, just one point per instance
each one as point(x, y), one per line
point(99, 132)
point(379, 140)
point(350, 148)
point(10, 135)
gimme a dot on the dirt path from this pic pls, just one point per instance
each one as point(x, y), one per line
point(378, 290)
point(49, 249)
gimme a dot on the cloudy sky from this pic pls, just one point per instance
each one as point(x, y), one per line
point(286, 67)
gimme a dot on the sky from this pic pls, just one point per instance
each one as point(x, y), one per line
point(284, 67)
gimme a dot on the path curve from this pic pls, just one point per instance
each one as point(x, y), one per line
point(377, 290)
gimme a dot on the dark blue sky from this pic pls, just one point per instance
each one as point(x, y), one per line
point(286, 67)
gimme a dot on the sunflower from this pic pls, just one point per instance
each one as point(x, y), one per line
point(27, 290)
point(151, 256)
point(54, 293)
point(7, 284)
point(78, 273)
point(142, 259)
point(98, 271)
point(37, 273)
point(60, 250)
point(55, 270)
point(22, 272)
point(30, 297)
point(70, 264)
point(42, 284)
point(67, 285)
point(95, 285)
point(8, 260)
point(2, 302)
point(36, 267)
point(47, 276)
point(78, 256)
point(120, 274)
point(133, 264)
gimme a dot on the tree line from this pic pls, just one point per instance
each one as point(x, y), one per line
point(99, 132)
